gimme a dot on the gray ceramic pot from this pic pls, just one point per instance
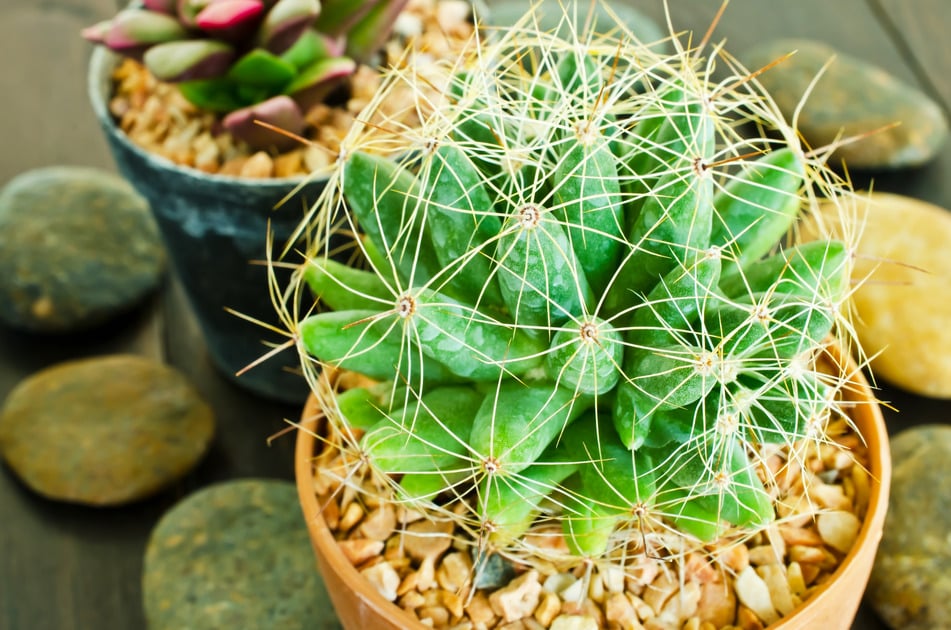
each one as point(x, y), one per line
point(213, 228)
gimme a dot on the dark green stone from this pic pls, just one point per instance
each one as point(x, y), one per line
point(235, 555)
point(104, 431)
point(77, 246)
point(852, 98)
point(910, 587)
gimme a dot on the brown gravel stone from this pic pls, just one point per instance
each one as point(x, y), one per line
point(104, 431)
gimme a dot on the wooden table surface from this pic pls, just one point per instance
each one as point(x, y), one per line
point(69, 567)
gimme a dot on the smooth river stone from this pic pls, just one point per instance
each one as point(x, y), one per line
point(903, 308)
point(235, 555)
point(104, 431)
point(852, 98)
point(77, 247)
point(910, 586)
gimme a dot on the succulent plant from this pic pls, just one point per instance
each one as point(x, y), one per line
point(266, 60)
point(578, 297)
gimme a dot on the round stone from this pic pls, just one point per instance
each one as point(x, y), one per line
point(910, 586)
point(77, 246)
point(851, 98)
point(104, 431)
point(234, 555)
point(903, 304)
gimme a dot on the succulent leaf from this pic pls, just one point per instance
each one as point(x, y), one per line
point(285, 23)
point(188, 60)
point(231, 20)
point(134, 29)
point(280, 112)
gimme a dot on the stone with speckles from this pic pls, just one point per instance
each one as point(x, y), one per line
point(105, 430)
point(910, 586)
point(77, 247)
point(851, 98)
point(235, 555)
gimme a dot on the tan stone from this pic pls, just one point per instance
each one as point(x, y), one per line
point(479, 610)
point(838, 529)
point(425, 539)
point(258, 166)
point(359, 550)
point(548, 608)
point(717, 603)
point(384, 578)
point(753, 593)
point(454, 571)
point(574, 622)
point(904, 307)
point(518, 599)
point(620, 613)
point(380, 523)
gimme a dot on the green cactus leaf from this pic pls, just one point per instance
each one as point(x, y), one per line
point(692, 516)
point(615, 477)
point(519, 421)
point(668, 314)
point(416, 487)
point(588, 528)
point(587, 199)
point(817, 269)
point(757, 207)
point(385, 199)
point(369, 343)
point(779, 409)
point(214, 95)
point(474, 345)
point(511, 502)
point(462, 225)
point(426, 435)
point(343, 287)
point(585, 356)
point(540, 276)
point(359, 407)
point(306, 50)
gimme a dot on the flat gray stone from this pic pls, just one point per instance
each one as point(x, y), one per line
point(852, 98)
point(235, 555)
point(77, 246)
point(910, 587)
point(104, 431)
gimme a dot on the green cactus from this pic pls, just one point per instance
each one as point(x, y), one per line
point(583, 242)
point(266, 60)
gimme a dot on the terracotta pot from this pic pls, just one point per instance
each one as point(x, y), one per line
point(832, 606)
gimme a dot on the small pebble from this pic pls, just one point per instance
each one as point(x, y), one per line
point(910, 587)
point(77, 247)
point(852, 98)
point(518, 599)
point(104, 431)
point(233, 555)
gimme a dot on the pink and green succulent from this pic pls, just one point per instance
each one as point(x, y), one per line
point(251, 60)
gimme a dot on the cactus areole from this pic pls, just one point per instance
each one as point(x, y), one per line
point(251, 60)
point(582, 294)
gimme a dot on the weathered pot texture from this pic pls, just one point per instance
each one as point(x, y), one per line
point(215, 229)
point(832, 606)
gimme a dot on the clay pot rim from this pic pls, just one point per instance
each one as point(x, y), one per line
point(867, 416)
